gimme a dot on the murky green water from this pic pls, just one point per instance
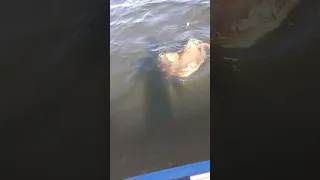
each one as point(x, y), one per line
point(154, 119)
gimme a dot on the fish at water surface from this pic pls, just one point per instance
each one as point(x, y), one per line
point(186, 61)
point(236, 24)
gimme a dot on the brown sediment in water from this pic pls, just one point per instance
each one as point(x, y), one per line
point(185, 62)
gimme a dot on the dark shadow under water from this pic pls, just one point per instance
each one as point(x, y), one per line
point(55, 99)
point(165, 140)
point(158, 110)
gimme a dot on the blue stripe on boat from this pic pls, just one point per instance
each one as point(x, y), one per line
point(176, 172)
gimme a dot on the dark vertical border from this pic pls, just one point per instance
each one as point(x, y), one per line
point(253, 137)
point(55, 93)
point(100, 30)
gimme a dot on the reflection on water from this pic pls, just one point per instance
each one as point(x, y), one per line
point(152, 116)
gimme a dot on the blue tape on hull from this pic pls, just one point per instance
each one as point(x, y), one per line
point(176, 172)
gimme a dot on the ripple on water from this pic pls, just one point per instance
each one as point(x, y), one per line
point(132, 22)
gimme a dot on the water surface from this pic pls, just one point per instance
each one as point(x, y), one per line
point(155, 120)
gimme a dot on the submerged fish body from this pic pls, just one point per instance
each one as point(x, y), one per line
point(186, 61)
